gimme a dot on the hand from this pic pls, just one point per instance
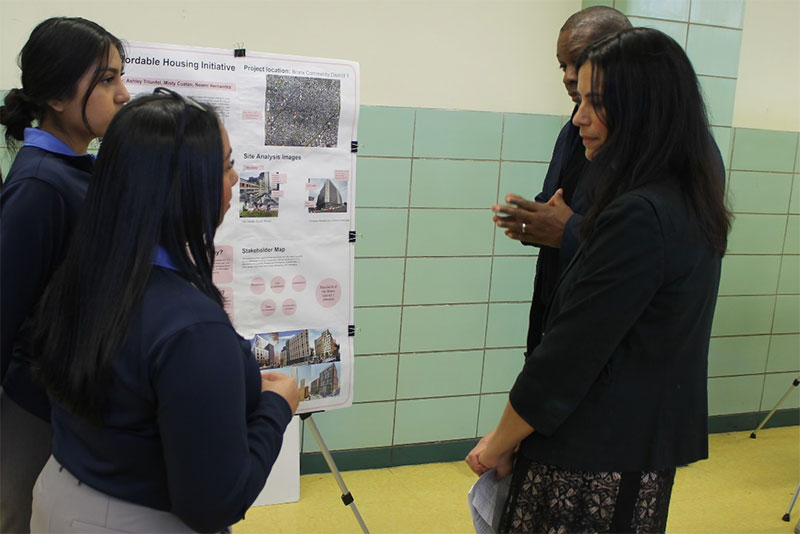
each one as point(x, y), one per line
point(481, 458)
point(283, 385)
point(544, 222)
point(472, 458)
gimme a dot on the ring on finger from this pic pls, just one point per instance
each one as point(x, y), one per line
point(523, 228)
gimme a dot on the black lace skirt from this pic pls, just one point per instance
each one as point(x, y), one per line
point(552, 500)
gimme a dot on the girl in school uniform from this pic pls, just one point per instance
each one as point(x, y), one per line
point(71, 88)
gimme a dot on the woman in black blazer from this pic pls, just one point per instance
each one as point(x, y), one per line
point(614, 398)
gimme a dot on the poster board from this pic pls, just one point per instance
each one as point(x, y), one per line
point(284, 253)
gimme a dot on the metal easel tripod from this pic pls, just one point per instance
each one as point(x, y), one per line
point(787, 516)
point(347, 497)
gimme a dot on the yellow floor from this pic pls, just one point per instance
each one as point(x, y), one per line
point(744, 487)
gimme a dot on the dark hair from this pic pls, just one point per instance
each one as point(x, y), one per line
point(657, 128)
point(58, 53)
point(594, 22)
point(158, 181)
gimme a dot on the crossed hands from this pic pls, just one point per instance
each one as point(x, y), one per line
point(482, 458)
point(539, 223)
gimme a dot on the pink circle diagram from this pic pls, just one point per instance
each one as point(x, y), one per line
point(328, 293)
point(257, 285)
point(277, 284)
point(299, 283)
point(289, 307)
point(267, 308)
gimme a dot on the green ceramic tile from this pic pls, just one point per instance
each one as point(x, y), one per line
point(447, 280)
point(512, 278)
point(743, 315)
point(508, 325)
point(381, 232)
point(504, 245)
point(749, 275)
point(378, 330)
point(794, 205)
point(450, 232)
point(740, 355)
point(425, 420)
point(455, 327)
point(719, 95)
point(784, 353)
point(660, 9)
point(491, 410)
point(6, 159)
point(792, 243)
point(432, 374)
point(500, 369)
point(590, 3)
point(454, 184)
point(718, 12)
point(378, 281)
point(757, 234)
point(722, 135)
point(375, 378)
point(457, 134)
point(735, 394)
point(775, 387)
point(385, 131)
point(523, 179)
point(789, 282)
point(759, 192)
point(797, 158)
point(356, 427)
point(383, 182)
point(714, 51)
point(763, 150)
point(676, 30)
point(530, 137)
point(787, 315)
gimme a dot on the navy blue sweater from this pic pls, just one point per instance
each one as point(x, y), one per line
point(39, 206)
point(186, 427)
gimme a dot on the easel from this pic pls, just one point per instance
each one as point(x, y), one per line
point(347, 497)
point(787, 516)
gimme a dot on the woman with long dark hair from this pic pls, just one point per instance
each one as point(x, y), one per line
point(72, 87)
point(162, 421)
point(614, 398)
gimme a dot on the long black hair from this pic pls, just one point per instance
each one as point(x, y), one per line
point(657, 128)
point(158, 181)
point(58, 53)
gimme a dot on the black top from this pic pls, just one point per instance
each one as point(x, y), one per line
point(39, 206)
point(186, 427)
point(618, 381)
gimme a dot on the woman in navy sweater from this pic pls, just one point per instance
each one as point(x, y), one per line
point(71, 85)
point(162, 421)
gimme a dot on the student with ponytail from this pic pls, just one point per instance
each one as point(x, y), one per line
point(71, 89)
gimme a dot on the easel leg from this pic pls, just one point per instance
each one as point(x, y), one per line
point(795, 383)
point(347, 497)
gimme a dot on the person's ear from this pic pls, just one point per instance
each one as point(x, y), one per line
point(56, 104)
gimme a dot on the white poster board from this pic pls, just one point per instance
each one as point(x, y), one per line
point(284, 258)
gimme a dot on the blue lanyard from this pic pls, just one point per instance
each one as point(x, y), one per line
point(162, 259)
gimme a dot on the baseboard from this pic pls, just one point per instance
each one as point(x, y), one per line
point(452, 451)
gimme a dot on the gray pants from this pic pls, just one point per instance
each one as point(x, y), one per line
point(61, 503)
point(24, 448)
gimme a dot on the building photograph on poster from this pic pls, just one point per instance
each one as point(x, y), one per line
point(258, 196)
point(290, 348)
point(302, 111)
point(326, 196)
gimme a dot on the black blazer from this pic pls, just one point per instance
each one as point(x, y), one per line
point(618, 382)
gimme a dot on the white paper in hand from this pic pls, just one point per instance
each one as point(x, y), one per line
point(486, 500)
